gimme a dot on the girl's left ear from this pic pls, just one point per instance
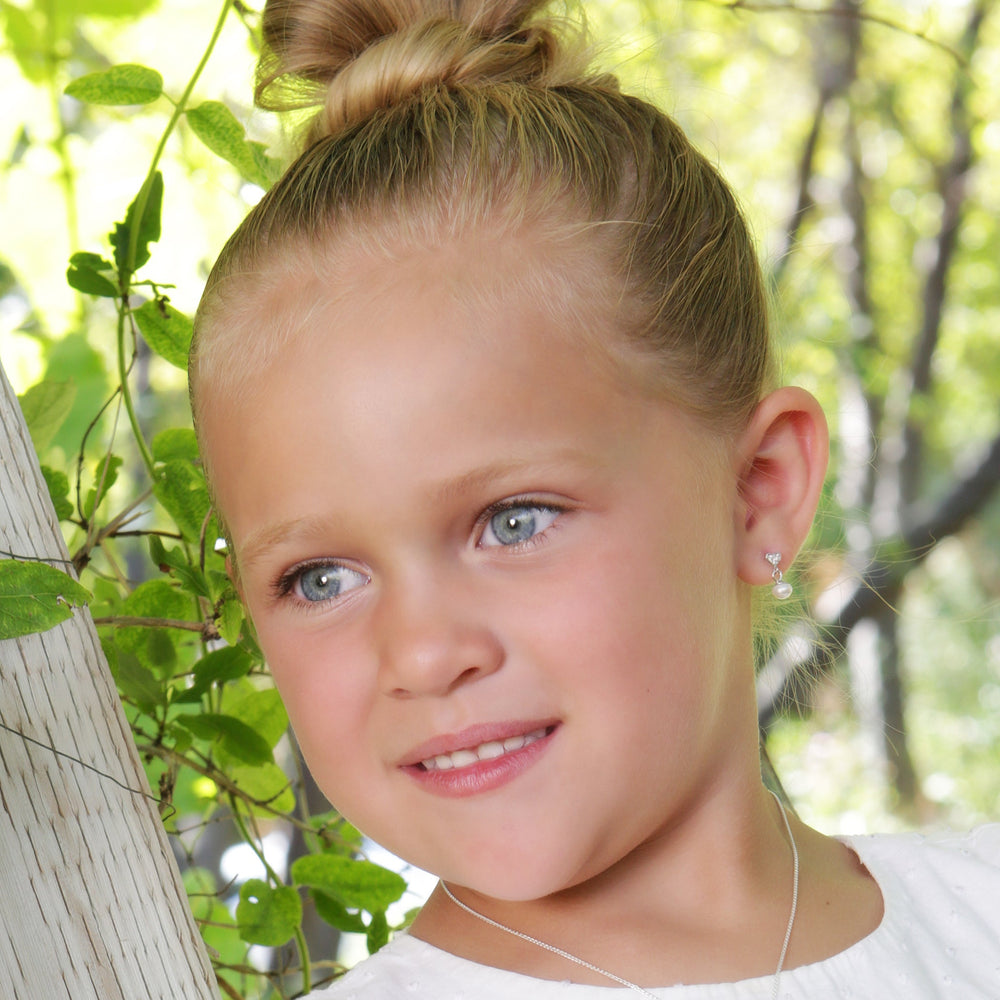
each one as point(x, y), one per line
point(781, 462)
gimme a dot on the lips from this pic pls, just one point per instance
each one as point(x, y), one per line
point(489, 750)
point(478, 759)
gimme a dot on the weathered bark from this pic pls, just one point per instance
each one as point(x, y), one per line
point(91, 902)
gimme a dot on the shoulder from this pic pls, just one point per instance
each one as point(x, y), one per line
point(386, 975)
point(944, 859)
point(941, 924)
point(944, 873)
point(411, 968)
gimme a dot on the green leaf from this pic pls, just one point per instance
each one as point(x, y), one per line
point(336, 914)
point(88, 273)
point(267, 915)
point(107, 600)
point(160, 651)
point(181, 488)
point(337, 834)
point(192, 580)
point(167, 331)
point(58, 486)
point(112, 8)
point(175, 442)
point(45, 406)
point(25, 31)
point(105, 476)
point(155, 600)
point(163, 558)
point(34, 597)
point(149, 229)
point(234, 736)
point(127, 83)
point(378, 933)
point(221, 587)
point(182, 739)
point(220, 666)
point(219, 129)
point(230, 620)
point(137, 682)
point(72, 357)
point(262, 711)
point(176, 563)
point(355, 883)
point(266, 783)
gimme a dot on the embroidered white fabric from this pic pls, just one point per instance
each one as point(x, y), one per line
point(939, 939)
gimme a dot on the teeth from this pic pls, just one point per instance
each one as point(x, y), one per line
point(463, 758)
point(485, 751)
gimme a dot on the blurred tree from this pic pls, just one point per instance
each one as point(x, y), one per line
point(872, 132)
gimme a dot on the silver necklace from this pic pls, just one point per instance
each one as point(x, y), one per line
point(625, 982)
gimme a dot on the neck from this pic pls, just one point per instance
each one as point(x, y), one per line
point(706, 900)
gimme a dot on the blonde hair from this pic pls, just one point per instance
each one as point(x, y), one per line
point(437, 118)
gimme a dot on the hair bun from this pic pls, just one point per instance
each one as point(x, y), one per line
point(353, 57)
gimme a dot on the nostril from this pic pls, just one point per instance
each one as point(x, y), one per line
point(421, 654)
point(466, 675)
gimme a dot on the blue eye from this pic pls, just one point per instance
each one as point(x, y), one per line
point(518, 524)
point(324, 581)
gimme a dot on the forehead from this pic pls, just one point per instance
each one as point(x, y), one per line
point(409, 376)
point(565, 267)
point(414, 331)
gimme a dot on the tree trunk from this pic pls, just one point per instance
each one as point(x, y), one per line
point(91, 901)
point(901, 770)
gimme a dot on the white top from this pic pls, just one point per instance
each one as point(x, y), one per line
point(938, 940)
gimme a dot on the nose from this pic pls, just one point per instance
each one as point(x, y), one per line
point(433, 640)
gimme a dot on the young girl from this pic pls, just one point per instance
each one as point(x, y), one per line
point(486, 397)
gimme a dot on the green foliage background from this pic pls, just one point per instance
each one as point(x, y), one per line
point(865, 140)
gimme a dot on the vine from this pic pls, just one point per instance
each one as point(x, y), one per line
point(208, 723)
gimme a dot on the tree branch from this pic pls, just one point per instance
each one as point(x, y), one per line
point(952, 189)
point(861, 15)
point(206, 629)
point(836, 69)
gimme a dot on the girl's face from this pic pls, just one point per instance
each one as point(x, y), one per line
point(495, 585)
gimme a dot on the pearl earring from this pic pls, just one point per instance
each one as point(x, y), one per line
point(781, 588)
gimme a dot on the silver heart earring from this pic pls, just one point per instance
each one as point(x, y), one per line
point(781, 588)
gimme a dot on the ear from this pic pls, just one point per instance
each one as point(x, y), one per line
point(781, 461)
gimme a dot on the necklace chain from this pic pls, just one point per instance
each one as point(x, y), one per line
point(776, 980)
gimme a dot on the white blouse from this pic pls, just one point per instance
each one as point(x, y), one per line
point(939, 939)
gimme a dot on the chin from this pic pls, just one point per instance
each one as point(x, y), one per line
point(517, 877)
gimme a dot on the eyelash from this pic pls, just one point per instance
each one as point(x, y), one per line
point(513, 504)
point(283, 587)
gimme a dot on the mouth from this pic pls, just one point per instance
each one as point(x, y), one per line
point(478, 759)
point(487, 750)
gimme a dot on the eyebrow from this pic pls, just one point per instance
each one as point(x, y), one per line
point(477, 479)
point(540, 465)
point(260, 541)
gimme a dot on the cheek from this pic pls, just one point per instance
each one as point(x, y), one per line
point(642, 616)
point(320, 685)
point(612, 616)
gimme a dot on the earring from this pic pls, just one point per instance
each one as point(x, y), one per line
point(781, 589)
